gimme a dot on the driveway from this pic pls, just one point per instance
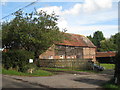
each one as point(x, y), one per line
point(65, 80)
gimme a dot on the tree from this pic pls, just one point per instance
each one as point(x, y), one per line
point(107, 45)
point(115, 39)
point(90, 38)
point(34, 32)
point(117, 62)
point(97, 37)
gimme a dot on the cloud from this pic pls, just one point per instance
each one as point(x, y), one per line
point(90, 12)
point(98, 18)
point(51, 9)
point(3, 2)
point(94, 5)
point(62, 24)
point(89, 6)
point(74, 11)
point(87, 30)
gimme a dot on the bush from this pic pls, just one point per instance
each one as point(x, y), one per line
point(16, 59)
point(28, 67)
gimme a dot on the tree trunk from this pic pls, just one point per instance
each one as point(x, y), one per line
point(117, 70)
point(117, 75)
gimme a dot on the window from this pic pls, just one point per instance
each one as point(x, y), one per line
point(51, 57)
point(61, 56)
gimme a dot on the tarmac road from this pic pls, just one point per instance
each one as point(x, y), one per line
point(12, 83)
point(66, 80)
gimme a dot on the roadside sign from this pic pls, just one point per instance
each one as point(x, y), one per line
point(30, 60)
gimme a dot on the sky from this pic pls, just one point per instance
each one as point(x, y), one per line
point(76, 16)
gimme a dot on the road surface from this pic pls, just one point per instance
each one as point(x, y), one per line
point(67, 80)
point(12, 83)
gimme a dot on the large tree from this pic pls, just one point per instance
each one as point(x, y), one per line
point(107, 45)
point(115, 39)
point(110, 44)
point(90, 37)
point(31, 31)
point(97, 37)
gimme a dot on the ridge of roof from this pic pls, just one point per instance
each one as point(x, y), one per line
point(77, 40)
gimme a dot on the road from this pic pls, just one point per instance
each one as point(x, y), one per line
point(61, 80)
point(66, 80)
point(12, 83)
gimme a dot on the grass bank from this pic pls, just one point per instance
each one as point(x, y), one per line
point(35, 73)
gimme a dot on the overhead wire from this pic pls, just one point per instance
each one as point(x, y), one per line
point(20, 9)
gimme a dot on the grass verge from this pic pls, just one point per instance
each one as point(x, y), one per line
point(111, 86)
point(108, 66)
point(36, 73)
point(65, 69)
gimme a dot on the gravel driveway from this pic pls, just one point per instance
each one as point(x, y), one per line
point(65, 80)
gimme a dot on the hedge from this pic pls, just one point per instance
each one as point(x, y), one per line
point(16, 59)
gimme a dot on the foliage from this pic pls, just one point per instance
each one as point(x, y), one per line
point(90, 38)
point(108, 45)
point(115, 38)
point(36, 73)
point(105, 44)
point(29, 66)
point(31, 31)
point(97, 38)
point(117, 62)
point(16, 59)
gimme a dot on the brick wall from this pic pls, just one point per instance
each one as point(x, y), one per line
point(89, 53)
point(69, 52)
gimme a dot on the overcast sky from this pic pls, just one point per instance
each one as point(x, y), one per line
point(77, 16)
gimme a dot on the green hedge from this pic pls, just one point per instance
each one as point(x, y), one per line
point(16, 59)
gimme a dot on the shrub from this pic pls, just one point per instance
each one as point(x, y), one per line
point(28, 67)
point(16, 59)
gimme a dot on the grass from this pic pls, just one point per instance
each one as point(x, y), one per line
point(36, 73)
point(64, 69)
point(108, 66)
point(110, 86)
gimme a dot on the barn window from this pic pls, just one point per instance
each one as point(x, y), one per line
point(51, 57)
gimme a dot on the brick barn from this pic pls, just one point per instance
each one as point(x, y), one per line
point(76, 47)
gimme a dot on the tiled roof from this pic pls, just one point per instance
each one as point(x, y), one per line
point(77, 40)
point(105, 54)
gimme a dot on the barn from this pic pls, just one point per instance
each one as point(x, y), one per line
point(106, 57)
point(75, 47)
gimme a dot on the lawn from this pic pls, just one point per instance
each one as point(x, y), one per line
point(36, 73)
point(108, 66)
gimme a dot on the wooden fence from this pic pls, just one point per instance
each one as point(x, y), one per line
point(83, 64)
